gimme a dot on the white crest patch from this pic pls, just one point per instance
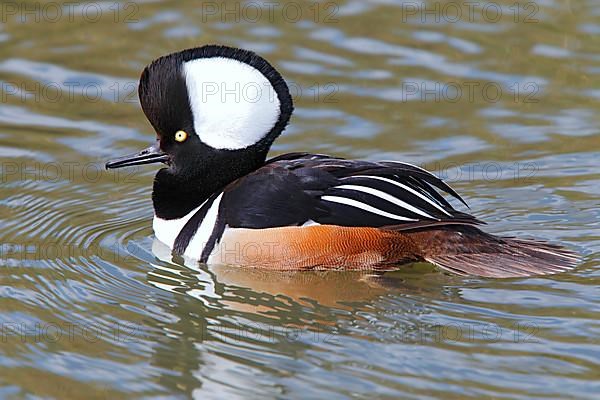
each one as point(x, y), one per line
point(234, 105)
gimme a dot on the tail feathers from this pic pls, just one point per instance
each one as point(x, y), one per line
point(469, 251)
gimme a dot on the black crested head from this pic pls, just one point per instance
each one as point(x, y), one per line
point(216, 111)
point(174, 94)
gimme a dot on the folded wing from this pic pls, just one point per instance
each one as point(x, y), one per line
point(297, 188)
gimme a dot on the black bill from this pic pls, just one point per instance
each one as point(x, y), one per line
point(152, 154)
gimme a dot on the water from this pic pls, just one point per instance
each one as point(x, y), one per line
point(506, 110)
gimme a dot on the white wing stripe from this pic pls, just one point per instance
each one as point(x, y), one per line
point(408, 189)
point(363, 206)
point(386, 197)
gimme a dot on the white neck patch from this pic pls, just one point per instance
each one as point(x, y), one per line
point(234, 105)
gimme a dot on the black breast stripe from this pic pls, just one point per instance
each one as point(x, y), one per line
point(216, 234)
point(191, 227)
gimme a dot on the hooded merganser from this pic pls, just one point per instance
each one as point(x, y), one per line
point(216, 111)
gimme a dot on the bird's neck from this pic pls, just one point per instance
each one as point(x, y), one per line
point(175, 195)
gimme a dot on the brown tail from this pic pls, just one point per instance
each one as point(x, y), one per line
point(467, 250)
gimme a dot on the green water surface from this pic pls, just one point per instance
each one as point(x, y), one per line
point(500, 98)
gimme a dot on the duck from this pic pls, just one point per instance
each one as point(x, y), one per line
point(219, 199)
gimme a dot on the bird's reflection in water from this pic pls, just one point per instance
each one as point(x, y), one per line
point(219, 283)
point(243, 314)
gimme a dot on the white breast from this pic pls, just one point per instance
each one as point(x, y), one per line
point(167, 230)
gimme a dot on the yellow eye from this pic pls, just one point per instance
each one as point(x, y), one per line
point(181, 136)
